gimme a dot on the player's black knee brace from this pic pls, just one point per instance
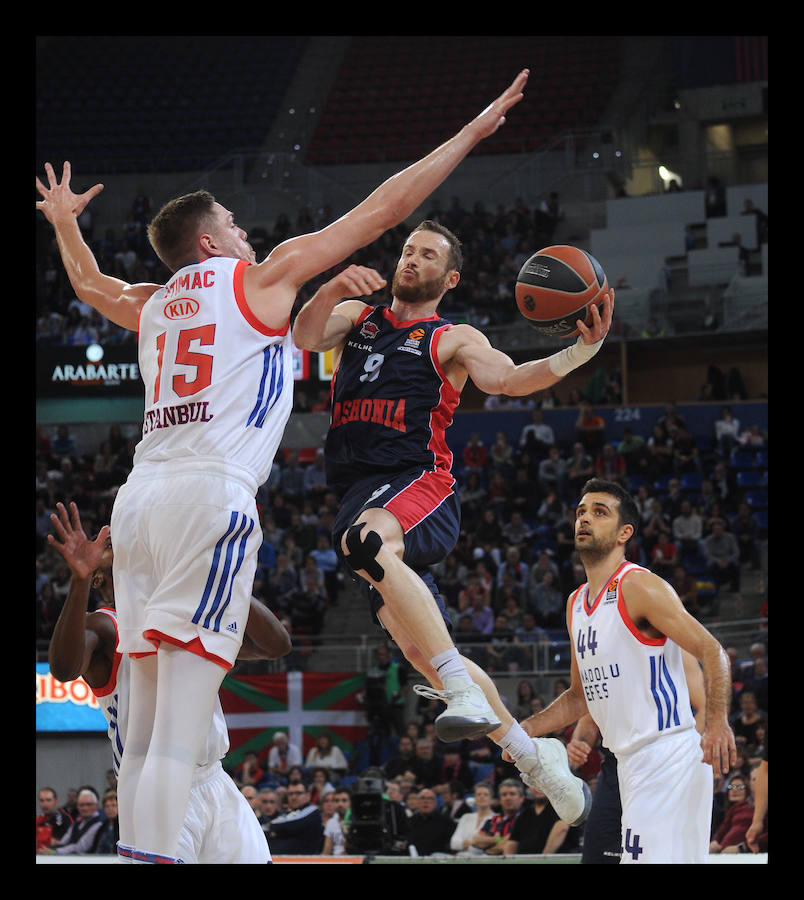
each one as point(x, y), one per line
point(363, 551)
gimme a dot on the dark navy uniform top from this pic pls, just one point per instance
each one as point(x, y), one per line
point(391, 401)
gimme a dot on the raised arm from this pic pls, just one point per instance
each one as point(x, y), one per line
point(324, 321)
point(464, 349)
point(299, 259)
point(113, 298)
point(80, 644)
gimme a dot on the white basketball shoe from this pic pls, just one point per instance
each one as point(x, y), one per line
point(468, 714)
point(547, 769)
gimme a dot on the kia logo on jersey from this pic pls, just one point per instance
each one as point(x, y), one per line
point(182, 308)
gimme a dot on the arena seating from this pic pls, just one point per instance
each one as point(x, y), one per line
point(116, 104)
point(394, 97)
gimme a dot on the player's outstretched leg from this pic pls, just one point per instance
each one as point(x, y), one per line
point(373, 547)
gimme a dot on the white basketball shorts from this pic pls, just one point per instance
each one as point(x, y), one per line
point(185, 552)
point(666, 792)
point(220, 826)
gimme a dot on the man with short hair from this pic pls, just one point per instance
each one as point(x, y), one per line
point(82, 836)
point(628, 630)
point(491, 836)
point(400, 372)
point(53, 821)
point(300, 831)
point(429, 832)
point(343, 805)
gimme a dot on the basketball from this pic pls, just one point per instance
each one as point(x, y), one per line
point(557, 286)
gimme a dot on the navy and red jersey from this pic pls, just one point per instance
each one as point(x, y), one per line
point(391, 401)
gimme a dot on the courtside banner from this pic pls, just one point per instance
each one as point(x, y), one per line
point(302, 704)
point(65, 707)
point(96, 370)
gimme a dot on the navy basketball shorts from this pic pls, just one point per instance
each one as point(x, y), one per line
point(602, 836)
point(428, 510)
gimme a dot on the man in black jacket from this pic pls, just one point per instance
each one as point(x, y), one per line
point(299, 832)
point(430, 831)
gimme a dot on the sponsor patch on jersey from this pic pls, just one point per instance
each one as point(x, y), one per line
point(611, 590)
point(181, 308)
point(369, 330)
point(412, 341)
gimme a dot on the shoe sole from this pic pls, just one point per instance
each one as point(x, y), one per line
point(460, 728)
point(587, 806)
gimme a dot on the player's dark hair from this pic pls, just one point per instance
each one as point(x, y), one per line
point(174, 230)
point(455, 252)
point(628, 512)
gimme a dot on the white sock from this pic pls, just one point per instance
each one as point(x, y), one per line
point(516, 742)
point(450, 665)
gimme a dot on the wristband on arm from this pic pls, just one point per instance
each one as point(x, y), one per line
point(565, 361)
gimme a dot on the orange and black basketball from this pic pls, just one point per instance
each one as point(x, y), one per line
point(557, 286)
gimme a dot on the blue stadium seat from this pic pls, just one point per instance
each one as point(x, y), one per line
point(695, 564)
point(635, 482)
point(749, 478)
point(757, 499)
point(742, 459)
point(707, 588)
point(761, 516)
point(691, 481)
point(660, 485)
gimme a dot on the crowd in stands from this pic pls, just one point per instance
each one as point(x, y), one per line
point(429, 798)
point(505, 585)
point(496, 244)
point(507, 578)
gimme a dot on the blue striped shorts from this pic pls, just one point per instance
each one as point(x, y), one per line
point(185, 552)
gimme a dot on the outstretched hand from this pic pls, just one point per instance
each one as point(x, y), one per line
point(601, 323)
point(60, 203)
point(82, 555)
point(494, 114)
point(357, 281)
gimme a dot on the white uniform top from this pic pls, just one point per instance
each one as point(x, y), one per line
point(218, 383)
point(635, 686)
point(113, 701)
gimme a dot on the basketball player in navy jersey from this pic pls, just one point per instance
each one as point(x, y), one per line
point(628, 631)
point(215, 355)
point(399, 373)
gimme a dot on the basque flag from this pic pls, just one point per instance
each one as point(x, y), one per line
point(302, 704)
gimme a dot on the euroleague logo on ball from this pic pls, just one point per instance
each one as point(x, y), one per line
point(538, 269)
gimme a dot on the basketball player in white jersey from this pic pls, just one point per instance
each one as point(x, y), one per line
point(220, 826)
point(215, 357)
point(627, 628)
